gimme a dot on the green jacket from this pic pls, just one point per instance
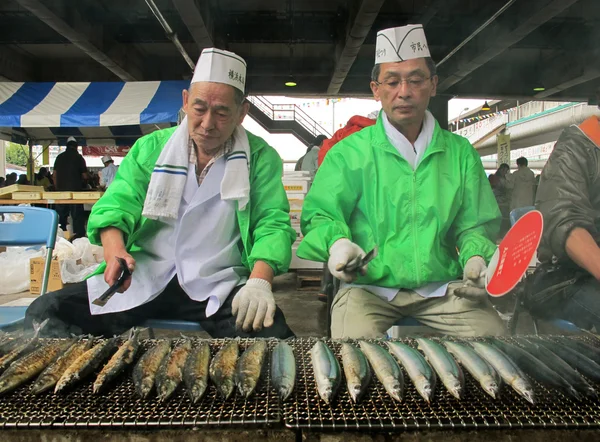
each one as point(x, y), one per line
point(367, 192)
point(266, 232)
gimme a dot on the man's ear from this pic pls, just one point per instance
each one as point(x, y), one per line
point(184, 98)
point(434, 83)
point(375, 90)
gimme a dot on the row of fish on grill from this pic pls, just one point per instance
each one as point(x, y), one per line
point(558, 363)
point(60, 364)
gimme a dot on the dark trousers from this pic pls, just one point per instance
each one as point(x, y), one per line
point(68, 312)
point(77, 214)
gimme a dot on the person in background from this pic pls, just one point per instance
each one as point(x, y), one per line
point(416, 192)
point(523, 183)
point(107, 175)
point(2, 181)
point(501, 188)
point(355, 123)
point(11, 179)
point(309, 160)
point(23, 179)
point(41, 179)
point(70, 171)
point(567, 284)
point(298, 165)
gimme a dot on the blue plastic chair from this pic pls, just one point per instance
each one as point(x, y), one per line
point(170, 324)
point(38, 227)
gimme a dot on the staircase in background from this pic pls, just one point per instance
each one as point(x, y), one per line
point(285, 119)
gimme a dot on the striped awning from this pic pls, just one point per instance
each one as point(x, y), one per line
point(97, 113)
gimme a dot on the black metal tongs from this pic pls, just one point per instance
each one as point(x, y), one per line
point(125, 273)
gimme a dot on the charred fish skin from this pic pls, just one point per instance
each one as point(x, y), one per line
point(327, 371)
point(195, 372)
point(31, 365)
point(576, 360)
point(479, 368)
point(249, 368)
point(170, 373)
point(535, 368)
point(357, 371)
point(419, 371)
point(119, 361)
point(283, 370)
point(50, 376)
point(25, 347)
point(86, 364)
point(563, 369)
point(144, 372)
point(222, 368)
point(444, 365)
point(510, 373)
point(386, 369)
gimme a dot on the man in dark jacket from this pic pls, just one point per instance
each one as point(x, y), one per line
point(569, 198)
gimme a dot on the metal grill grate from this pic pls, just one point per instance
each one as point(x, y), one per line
point(476, 410)
point(119, 406)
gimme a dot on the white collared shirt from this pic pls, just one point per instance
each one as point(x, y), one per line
point(411, 153)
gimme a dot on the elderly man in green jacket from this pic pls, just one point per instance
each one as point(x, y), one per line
point(198, 214)
point(419, 194)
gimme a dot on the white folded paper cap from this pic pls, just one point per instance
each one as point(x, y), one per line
point(106, 158)
point(71, 139)
point(400, 44)
point(219, 66)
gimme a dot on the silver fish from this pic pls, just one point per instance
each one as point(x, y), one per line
point(249, 368)
point(25, 347)
point(419, 371)
point(144, 372)
point(30, 365)
point(283, 369)
point(327, 371)
point(170, 373)
point(479, 368)
point(506, 368)
point(444, 365)
point(195, 372)
point(386, 369)
point(222, 368)
point(120, 360)
point(50, 376)
point(86, 364)
point(356, 370)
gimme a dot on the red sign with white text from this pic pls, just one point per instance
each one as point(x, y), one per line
point(515, 253)
point(100, 151)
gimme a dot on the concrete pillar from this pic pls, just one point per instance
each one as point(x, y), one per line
point(438, 106)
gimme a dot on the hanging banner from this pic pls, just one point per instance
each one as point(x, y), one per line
point(503, 149)
point(100, 151)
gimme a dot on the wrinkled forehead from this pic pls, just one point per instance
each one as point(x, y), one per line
point(414, 67)
point(213, 94)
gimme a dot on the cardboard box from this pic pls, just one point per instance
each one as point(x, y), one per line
point(295, 196)
point(296, 185)
point(295, 216)
point(36, 275)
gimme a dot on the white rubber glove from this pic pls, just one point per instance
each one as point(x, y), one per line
point(254, 306)
point(343, 252)
point(473, 280)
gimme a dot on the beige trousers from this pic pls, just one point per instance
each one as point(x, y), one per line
point(358, 313)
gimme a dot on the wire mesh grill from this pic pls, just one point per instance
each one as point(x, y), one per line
point(119, 406)
point(378, 411)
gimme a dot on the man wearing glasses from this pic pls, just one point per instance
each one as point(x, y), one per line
point(416, 192)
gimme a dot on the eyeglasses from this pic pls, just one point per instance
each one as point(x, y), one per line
point(412, 83)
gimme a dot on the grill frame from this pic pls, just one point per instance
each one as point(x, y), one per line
point(475, 411)
point(119, 407)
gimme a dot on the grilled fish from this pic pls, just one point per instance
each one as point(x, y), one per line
point(327, 372)
point(11, 340)
point(119, 361)
point(357, 371)
point(419, 371)
point(536, 369)
point(30, 365)
point(283, 369)
point(479, 368)
point(54, 371)
point(506, 368)
point(585, 349)
point(386, 369)
point(195, 372)
point(144, 372)
point(444, 365)
point(170, 373)
point(222, 368)
point(249, 368)
point(23, 348)
point(561, 367)
point(578, 361)
point(86, 364)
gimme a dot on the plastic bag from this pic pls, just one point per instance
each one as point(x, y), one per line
point(78, 259)
point(15, 268)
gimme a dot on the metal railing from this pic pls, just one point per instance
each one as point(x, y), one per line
point(288, 112)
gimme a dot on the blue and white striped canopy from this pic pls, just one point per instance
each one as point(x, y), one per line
point(92, 112)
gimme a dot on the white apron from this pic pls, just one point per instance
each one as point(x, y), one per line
point(202, 248)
